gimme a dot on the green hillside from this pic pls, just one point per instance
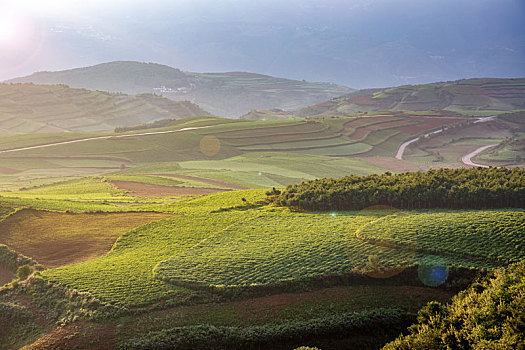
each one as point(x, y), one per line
point(28, 108)
point(230, 259)
point(484, 94)
point(230, 94)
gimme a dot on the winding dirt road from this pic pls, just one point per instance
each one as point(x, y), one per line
point(102, 138)
point(467, 159)
point(401, 150)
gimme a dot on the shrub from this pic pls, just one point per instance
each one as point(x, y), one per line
point(24, 271)
point(488, 315)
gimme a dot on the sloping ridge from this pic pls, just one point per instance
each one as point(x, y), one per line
point(469, 94)
point(29, 108)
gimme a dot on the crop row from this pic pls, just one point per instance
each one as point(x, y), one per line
point(494, 236)
point(220, 240)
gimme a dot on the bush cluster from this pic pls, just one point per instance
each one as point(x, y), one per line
point(488, 315)
point(444, 188)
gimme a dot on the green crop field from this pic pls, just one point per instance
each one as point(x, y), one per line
point(488, 237)
point(217, 241)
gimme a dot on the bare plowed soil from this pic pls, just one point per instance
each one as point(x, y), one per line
point(57, 239)
point(206, 181)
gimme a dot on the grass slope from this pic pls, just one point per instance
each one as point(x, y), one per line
point(219, 241)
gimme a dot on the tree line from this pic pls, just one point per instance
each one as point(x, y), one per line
point(473, 188)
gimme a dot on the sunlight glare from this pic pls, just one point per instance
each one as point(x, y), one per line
point(8, 30)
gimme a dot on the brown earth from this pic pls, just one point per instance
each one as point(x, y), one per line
point(79, 335)
point(207, 181)
point(57, 239)
point(140, 189)
point(427, 124)
point(8, 171)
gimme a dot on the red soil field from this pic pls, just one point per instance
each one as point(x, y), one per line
point(8, 171)
point(427, 124)
point(56, 239)
point(207, 181)
point(362, 100)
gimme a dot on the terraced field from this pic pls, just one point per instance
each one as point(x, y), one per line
point(251, 154)
point(454, 235)
point(461, 95)
point(218, 241)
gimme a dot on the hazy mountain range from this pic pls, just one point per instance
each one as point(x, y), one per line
point(224, 94)
point(358, 43)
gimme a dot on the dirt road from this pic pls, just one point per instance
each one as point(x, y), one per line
point(401, 150)
point(101, 138)
point(467, 159)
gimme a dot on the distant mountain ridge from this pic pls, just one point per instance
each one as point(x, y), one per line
point(29, 108)
point(229, 94)
point(470, 94)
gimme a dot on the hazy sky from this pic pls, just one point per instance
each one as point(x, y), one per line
point(359, 43)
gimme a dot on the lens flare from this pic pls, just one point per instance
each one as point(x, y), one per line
point(210, 145)
point(21, 39)
point(432, 270)
point(8, 30)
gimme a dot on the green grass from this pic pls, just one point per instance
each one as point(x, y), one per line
point(489, 237)
point(93, 188)
point(125, 276)
point(216, 240)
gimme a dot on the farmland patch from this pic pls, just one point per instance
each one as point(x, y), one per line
point(56, 239)
point(140, 189)
point(208, 181)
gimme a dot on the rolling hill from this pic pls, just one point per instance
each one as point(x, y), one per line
point(229, 94)
point(484, 94)
point(28, 108)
